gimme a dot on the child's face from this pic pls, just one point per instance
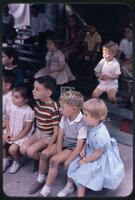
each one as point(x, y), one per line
point(6, 60)
point(107, 55)
point(17, 99)
point(5, 87)
point(40, 92)
point(88, 120)
point(50, 45)
point(66, 110)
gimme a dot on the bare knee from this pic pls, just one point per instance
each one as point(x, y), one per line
point(54, 162)
point(23, 149)
point(30, 152)
point(44, 155)
point(13, 150)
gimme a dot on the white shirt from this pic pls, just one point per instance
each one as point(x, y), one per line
point(82, 134)
point(108, 68)
point(126, 47)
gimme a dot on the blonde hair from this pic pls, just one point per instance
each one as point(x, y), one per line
point(112, 47)
point(72, 98)
point(96, 108)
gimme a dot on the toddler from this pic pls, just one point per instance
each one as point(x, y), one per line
point(18, 122)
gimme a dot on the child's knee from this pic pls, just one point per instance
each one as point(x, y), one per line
point(54, 162)
point(44, 155)
point(23, 149)
point(13, 150)
point(30, 152)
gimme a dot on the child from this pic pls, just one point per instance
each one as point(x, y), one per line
point(99, 164)
point(55, 64)
point(10, 61)
point(125, 53)
point(7, 82)
point(93, 42)
point(72, 133)
point(108, 71)
point(18, 123)
point(47, 118)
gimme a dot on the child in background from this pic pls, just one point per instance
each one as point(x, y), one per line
point(93, 43)
point(55, 64)
point(7, 82)
point(125, 53)
point(99, 164)
point(47, 118)
point(19, 121)
point(108, 72)
point(71, 135)
point(10, 61)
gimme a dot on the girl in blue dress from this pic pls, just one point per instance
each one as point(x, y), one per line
point(99, 164)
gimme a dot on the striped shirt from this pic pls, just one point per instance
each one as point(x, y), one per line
point(47, 116)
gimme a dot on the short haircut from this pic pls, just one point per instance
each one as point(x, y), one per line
point(8, 77)
point(112, 47)
point(72, 98)
point(96, 108)
point(49, 83)
point(11, 53)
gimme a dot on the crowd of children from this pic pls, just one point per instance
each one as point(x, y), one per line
point(65, 130)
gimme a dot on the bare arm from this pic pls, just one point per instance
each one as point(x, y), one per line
point(55, 134)
point(94, 156)
point(75, 152)
point(24, 132)
point(60, 140)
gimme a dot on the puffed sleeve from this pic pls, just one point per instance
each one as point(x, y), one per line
point(30, 116)
point(101, 141)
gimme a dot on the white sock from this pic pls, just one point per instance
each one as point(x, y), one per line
point(69, 185)
point(41, 178)
point(45, 189)
point(6, 160)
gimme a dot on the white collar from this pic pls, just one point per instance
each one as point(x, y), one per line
point(77, 119)
point(9, 68)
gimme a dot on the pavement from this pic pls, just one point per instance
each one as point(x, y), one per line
point(17, 185)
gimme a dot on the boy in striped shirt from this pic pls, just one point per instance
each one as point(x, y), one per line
point(47, 118)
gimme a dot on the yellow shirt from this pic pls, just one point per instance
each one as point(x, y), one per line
point(92, 41)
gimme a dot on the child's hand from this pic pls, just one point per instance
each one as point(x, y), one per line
point(66, 164)
point(82, 153)
point(13, 138)
point(105, 77)
point(81, 162)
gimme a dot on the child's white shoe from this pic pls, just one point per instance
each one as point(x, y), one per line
point(45, 191)
point(66, 191)
point(14, 167)
point(6, 163)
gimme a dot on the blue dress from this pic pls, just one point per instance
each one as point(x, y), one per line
point(105, 172)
